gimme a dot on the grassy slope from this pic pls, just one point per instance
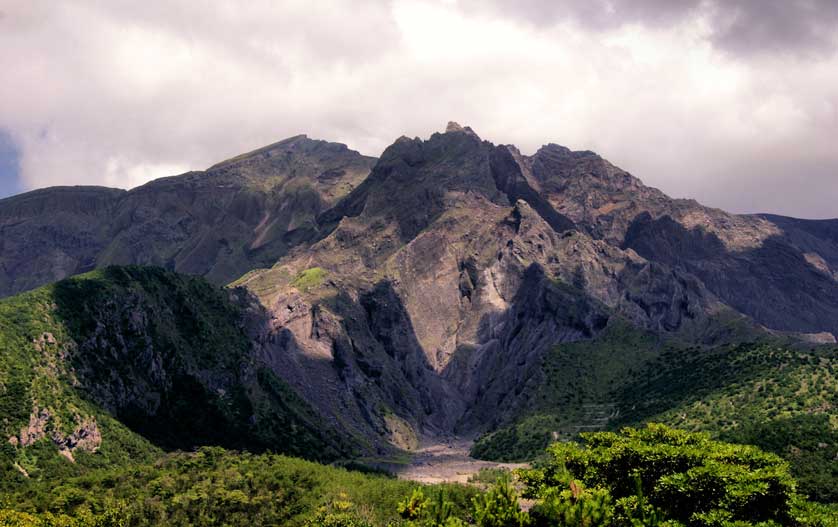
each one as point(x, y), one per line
point(762, 394)
point(215, 487)
point(166, 354)
point(776, 397)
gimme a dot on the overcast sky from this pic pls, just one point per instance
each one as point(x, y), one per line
point(733, 103)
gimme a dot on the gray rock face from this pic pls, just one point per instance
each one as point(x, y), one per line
point(48, 234)
point(449, 277)
point(778, 283)
point(170, 357)
point(238, 215)
point(778, 271)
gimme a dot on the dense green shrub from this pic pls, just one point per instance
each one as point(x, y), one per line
point(809, 441)
point(218, 487)
point(573, 505)
point(499, 507)
point(684, 477)
point(649, 477)
point(340, 512)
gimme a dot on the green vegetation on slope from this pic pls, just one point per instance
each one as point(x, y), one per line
point(218, 487)
point(752, 393)
point(744, 393)
point(39, 405)
point(809, 442)
point(164, 354)
point(575, 392)
point(309, 279)
point(660, 476)
point(648, 477)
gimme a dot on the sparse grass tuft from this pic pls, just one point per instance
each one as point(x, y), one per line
point(309, 279)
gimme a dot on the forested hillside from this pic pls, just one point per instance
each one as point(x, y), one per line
point(776, 394)
point(114, 365)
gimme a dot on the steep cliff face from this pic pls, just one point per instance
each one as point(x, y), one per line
point(779, 271)
point(238, 215)
point(605, 200)
point(776, 282)
point(444, 278)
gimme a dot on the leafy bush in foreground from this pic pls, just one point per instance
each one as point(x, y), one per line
point(650, 477)
point(218, 487)
point(661, 475)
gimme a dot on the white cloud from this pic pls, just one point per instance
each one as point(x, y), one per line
point(116, 93)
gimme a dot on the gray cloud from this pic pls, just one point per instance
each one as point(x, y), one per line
point(596, 14)
point(117, 92)
point(742, 27)
point(776, 26)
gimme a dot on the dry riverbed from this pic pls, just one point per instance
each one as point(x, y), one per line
point(446, 461)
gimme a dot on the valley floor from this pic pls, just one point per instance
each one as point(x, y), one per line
point(445, 461)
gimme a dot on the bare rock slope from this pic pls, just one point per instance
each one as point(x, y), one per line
point(446, 275)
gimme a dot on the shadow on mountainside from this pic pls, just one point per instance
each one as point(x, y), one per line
point(773, 283)
point(494, 375)
point(168, 356)
point(359, 361)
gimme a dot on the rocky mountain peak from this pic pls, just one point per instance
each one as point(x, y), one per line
point(295, 148)
point(455, 127)
point(553, 149)
point(416, 181)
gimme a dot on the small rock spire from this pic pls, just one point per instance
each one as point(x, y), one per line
point(454, 127)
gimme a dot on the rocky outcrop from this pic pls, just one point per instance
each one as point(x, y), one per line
point(778, 271)
point(48, 234)
point(166, 355)
point(775, 282)
point(85, 435)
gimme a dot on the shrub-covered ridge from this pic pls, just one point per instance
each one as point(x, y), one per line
point(108, 367)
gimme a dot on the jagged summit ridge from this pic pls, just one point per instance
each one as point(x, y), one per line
point(253, 209)
point(296, 145)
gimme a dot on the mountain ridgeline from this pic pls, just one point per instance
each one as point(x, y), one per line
point(243, 213)
point(343, 306)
